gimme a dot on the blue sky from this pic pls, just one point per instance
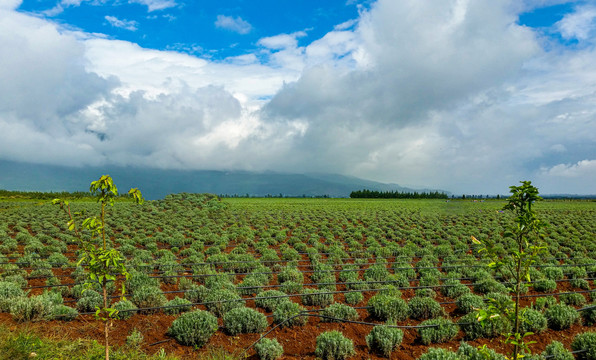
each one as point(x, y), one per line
point(214, 29)
point(463, 95)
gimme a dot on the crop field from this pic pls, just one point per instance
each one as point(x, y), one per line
point(394, 277)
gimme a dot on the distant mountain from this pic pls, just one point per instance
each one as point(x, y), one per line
point(157, 183)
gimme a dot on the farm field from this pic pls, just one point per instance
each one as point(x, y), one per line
point(297, 268)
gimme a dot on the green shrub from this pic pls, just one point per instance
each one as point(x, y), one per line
point(269, 300)
point(386, 307)
point(422, 308)
point(126, 309)
point(429, 280)
point(439, 354)
point(339, 311)
point(89, 301)
point(544, 302)
point(589, 315)
point(290, 274)
point(334, 346)
point(454, 288)
point(426, 292)
point(468, 303)
point(182, 305)
point(286, 311)
point(556, 351)
point(244, 320)
point(316, 297)
point(553, 273)
point(221, 301)
point(65, 313)
point(473, 329)
point(250, 286)
point(290, 287)
point(194, 328)
point(8, 292)
point(148, 297)
point(139, 280)
point(269, 349)
point(561, 316)
point(585, 341)
point(377, 272)
point(17, 279)
point(353, 298)
point(388, 290)
point(489, 285)
point(545, 285)
point(384, 339)
point(469, 352)
point(135, 339)
point(533, 321)
point(219, 281)
point(444, 331)
point(572, 299)
point(30, 308)
point(580, 283)
point(195, 293)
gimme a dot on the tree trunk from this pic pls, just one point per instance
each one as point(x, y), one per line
point(106, 321)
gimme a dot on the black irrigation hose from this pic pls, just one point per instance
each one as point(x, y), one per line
point(279, 250)
point(281, 285)
point(312, 294)
point(234, 262)
point(336, 270)
point(317, 284)
point(61, 265)
point(314, 271)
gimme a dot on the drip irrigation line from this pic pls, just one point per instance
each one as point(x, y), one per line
point(160, 342)
point(251, 261)
point(304, 272)
point(303, 295)
point(571, 352)
point(281, 285)
point(61, 265)
point(331, 270)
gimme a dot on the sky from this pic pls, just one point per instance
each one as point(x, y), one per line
point(469, 96)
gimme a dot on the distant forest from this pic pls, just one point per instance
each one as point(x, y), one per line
point(371, 194)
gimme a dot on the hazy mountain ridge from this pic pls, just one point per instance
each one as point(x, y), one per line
point(156, 183)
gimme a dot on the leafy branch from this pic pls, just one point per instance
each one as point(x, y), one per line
point(526, 233)
point(103, 264)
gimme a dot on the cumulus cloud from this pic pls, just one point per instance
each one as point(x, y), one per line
point(153, 5)
point(10, 4)
point(130, 25)
point(581, 168)
point(580, 25)
point(235, 24)
point(450, 94)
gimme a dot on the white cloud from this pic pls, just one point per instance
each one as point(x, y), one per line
point(235, 24)
point(345, 25)
point(153, 5)
point(581, 168)
point(10, 4)
point(281, 41)
point(446, 93)
point(130, 25)
point(580, 25)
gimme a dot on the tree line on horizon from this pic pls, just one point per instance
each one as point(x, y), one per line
point(373, 194)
